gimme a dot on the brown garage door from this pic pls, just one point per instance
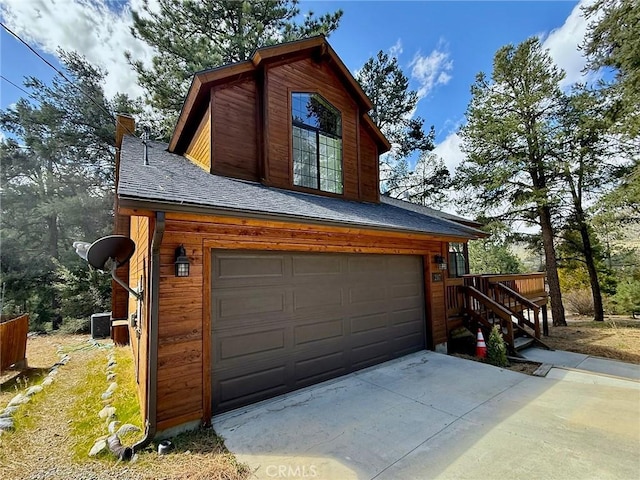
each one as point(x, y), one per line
point(282, 321)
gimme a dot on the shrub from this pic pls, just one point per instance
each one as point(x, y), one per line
point(76, 325)
point(580, 302)
point(496, 348)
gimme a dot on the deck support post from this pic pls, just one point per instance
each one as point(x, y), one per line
point(545, 322)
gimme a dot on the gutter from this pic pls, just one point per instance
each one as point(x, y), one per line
point(152, 368)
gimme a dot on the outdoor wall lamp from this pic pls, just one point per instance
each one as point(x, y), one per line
point(441, 261)
point(182, 262)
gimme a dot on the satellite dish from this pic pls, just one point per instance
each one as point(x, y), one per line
point(116, 248)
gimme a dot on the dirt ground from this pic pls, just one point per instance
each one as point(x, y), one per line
point(617, 338)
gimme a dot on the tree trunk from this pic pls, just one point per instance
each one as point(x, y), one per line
point(557, 309)
point(598, 309)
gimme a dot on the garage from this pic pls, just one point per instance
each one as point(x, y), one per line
point(284, 320)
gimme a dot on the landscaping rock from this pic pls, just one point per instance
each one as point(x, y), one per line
point(7, 412)
point(18, 400)
point(6, 424)
point(106, 395)
point(107, 412)
point(127, 428)
point(47, 381)
point(98, 447)
point(111, 363)
point(33, 390)
point(112, 387)
point(110, 377)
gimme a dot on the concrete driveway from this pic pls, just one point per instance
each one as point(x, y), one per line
point(429, 415)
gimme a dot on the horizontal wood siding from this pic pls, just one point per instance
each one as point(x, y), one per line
point(184, 372)
point(235, 130)
point(306, 75)
point(199, 150)
point(139, 275)
point(369, 188)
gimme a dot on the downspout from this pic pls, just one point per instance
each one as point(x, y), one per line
point(152, 368)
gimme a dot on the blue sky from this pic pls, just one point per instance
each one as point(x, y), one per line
point(441, 46)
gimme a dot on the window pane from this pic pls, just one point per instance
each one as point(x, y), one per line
point(304, 159)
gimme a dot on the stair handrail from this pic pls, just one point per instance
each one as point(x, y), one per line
point(502, 312)
point(524, 301)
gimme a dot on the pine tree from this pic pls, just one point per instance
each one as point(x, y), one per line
point(509, 139)
point(394, 104)
point(57, 187)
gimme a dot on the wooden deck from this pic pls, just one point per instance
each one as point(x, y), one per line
point(516, 302)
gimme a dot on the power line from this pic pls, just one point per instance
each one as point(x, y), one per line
point(17, 86)
point(89, 97)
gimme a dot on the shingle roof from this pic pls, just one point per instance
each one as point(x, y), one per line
point(428, 211)
point(173, 180)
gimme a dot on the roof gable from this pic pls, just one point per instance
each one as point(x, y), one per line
point(316, 47)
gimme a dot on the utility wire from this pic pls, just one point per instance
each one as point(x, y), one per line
point(17, 86)
point(57, 70)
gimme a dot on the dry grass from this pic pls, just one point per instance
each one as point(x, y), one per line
point(50, 429)
point(617, 338)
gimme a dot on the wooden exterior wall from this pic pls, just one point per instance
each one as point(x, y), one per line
point(307, 75)
point(369, 177)
point(199, 150)
point(139, 275)
point(250, 134)
point(235, 130)
point(184, 358)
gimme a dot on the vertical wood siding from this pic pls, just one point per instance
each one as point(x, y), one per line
point(235, 126)
point(139, 273)
point(368, 167)
point(307, 75)
point(199, 150)
point(13, 341)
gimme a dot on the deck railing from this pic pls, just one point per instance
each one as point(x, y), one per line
point(13, 341)
point(486, 298)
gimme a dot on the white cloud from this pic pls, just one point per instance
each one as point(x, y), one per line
point(563, 45)
point(86, 26)
point(450, 150)
point(396, 49)
point(431, 70)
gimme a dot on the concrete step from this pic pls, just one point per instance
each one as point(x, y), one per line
point(520, 343)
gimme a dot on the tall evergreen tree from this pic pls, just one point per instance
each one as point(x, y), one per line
point(57, 187)
point(394, 105)
point(189, 36)
point(509, 143)
point(613, 41)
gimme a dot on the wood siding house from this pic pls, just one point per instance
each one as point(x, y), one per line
point(299, 271)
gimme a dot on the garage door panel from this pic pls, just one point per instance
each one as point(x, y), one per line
point(329, 265)
point(315, 332)
point(316, 298)
point(325, 315)
point(410, 315)
point(367, 323)
point(326, 366)
point(251, 343)
point(242, 389)
point(366, 294)
point(237, 304)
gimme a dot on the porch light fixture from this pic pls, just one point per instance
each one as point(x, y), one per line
point(182, 262)
point(441, 261)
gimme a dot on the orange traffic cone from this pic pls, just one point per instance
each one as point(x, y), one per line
point(481, 348)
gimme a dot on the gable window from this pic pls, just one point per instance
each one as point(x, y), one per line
point(317, 143)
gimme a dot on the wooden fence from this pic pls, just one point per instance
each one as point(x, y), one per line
point(13, 341)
